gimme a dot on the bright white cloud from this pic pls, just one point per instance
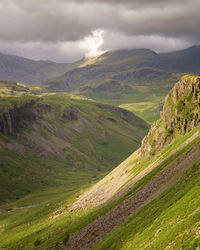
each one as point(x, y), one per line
point(92, 44)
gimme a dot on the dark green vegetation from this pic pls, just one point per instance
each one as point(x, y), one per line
point(56, 139)
point(15, 68)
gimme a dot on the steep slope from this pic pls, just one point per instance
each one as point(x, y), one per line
point(54, 139)
point(16, 68)
point(145, 178)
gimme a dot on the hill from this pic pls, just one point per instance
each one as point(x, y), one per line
point(151, 200)
point(138, 75)
point(136, 67)
point(52, 139)
point(16, 68)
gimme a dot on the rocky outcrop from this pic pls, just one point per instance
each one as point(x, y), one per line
point(180, 115)
point(8, 122)
point(16, 117)
point(70, 114)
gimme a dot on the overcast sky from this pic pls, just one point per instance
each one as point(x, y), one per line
point(66, 30)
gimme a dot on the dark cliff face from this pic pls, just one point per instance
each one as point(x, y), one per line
point(180, 115)
point(8, 122)
point(16, 118)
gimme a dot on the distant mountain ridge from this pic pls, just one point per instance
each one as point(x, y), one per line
point(27, 71)
point(125, 65)
point(136, 67)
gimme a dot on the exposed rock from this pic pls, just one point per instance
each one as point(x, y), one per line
point(180, 115)
point(8, 122)
point(16, 117)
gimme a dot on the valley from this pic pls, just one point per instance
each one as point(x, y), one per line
point(81, 167)
point(133, 206)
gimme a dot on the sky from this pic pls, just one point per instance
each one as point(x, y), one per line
point(67, 30)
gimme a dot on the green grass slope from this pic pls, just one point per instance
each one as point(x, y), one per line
point(55, 139)
point(148, 111)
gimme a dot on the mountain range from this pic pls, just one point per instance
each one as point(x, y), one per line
point(122, 78)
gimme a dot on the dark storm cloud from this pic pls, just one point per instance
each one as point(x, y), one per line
point(51, 20)
point(55, 24)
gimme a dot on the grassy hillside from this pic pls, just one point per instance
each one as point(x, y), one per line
point(149, 201)
point(55, 139)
